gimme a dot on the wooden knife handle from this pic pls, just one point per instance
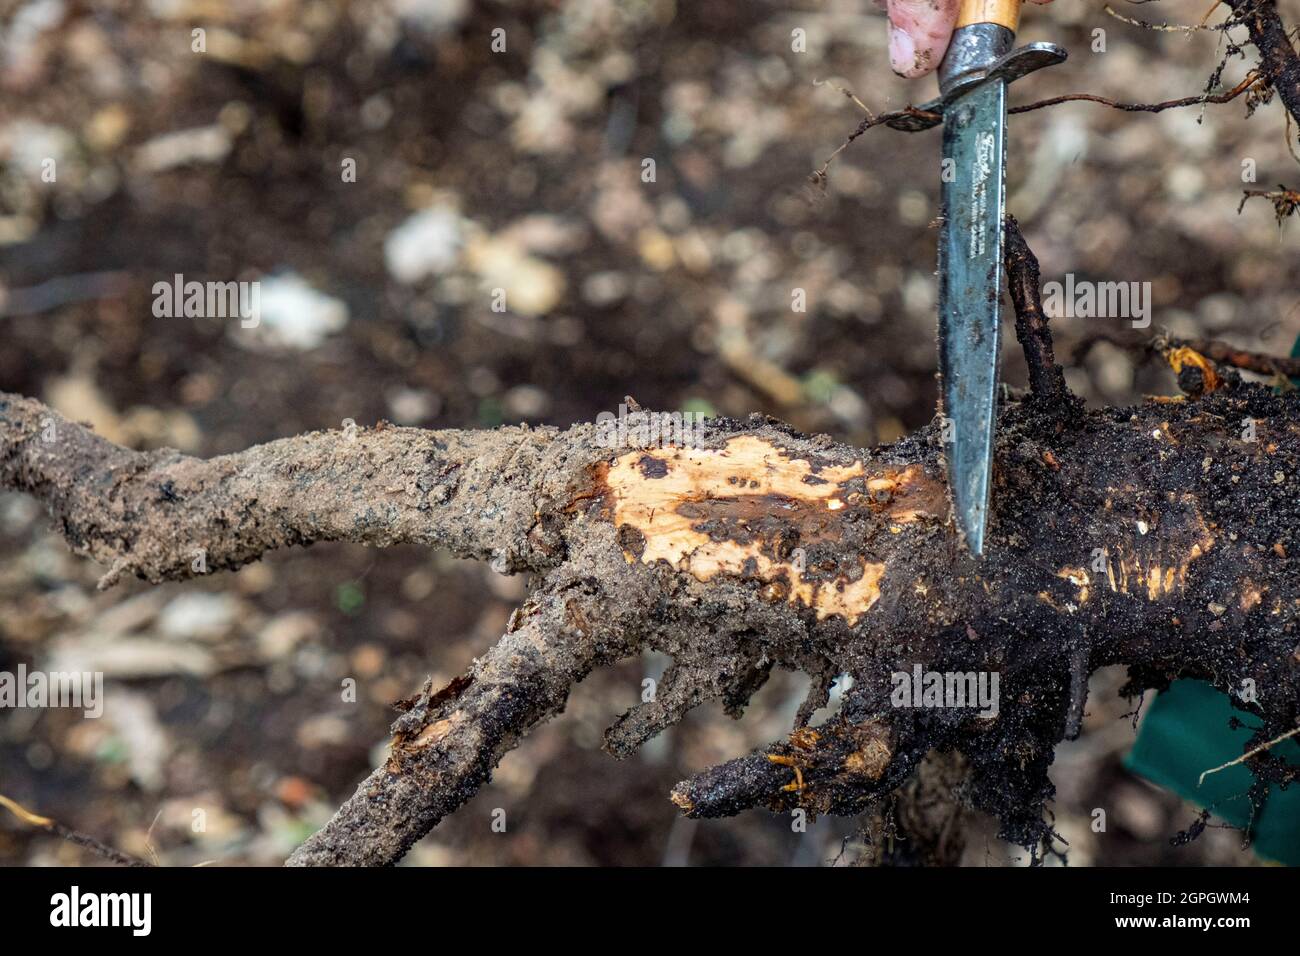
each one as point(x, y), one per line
point(1005, 13)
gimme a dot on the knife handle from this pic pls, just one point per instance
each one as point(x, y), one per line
point(985, 32)
point(1005, 13)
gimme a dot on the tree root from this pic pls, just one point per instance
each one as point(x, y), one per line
point(1279, 62)
point(447, 743)
point(1215, 350)
point(1046, 379)
point(1163, 537)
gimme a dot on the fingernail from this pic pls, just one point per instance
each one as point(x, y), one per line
point(902, 52)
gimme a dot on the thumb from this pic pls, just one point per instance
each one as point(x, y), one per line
point(918, 34)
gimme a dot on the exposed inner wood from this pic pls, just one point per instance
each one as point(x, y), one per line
point(750, 510)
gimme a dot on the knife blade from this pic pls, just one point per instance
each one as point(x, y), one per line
point(973, 78)
point(970, 293)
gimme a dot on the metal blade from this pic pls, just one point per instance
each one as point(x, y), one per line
point(970, 299)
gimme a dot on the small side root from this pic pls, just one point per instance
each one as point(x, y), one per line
point(97, 847)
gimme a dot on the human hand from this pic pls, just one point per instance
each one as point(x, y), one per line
point(918, 33)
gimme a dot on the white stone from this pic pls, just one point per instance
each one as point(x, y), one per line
point(426, 244)
point(292, 314)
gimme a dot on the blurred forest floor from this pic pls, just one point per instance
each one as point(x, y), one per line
point(522, 170)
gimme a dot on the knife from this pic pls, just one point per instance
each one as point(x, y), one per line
point(973, 79)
